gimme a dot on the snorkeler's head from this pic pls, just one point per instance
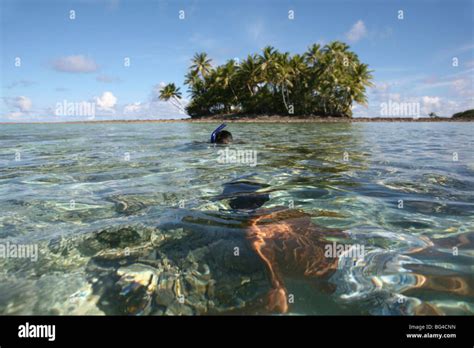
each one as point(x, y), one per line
point(220, 136)
point(224, 137)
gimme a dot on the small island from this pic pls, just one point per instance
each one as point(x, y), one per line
point(320, 85)
point(323, 81)
point(467, 115)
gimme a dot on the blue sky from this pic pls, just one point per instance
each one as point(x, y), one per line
point(82, 60)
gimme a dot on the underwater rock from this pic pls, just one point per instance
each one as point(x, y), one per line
point(183, 292)
point(234, 255)
point(197, 283)
point(164, 297)
point(136, 269)
point(137, 285)
point(177, 308)
point(165, 294)
point(188, 272)
point(118, 238)
point(17, 296)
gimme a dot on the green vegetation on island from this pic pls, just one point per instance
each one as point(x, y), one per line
point(465, 115)
point(323, 81)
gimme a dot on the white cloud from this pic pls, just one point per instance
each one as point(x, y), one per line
point(459, 83)
point(106, 106)
point(23, 103)
point(441, 105)
point(430, 104)
point(444, 106)
point(19, 107)
point(134, 108)
point(427, 100)
point(75, 64)
point(153, 110)
point(106, 102)
point(357, 32)
point(445, 95)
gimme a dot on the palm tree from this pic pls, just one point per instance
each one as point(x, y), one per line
point(284, 77)
point(334, 72)
point(321, 81)
point(225, 77)
point(249, 73)
point(268, 64)
point(313, 55)
point(269, 55)
point(201, 64)
point(298, 64)
point(172, 94)
point(361, 80)
point(192, 78)
point(301, 80)
point(337, 48)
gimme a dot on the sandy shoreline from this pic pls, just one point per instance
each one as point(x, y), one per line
point(261, 119)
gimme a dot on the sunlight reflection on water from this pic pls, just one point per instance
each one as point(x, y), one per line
point(403, 190)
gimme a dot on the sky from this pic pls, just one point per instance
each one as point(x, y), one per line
point(115, 54)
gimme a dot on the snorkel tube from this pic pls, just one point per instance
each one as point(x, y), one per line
point(217, 130)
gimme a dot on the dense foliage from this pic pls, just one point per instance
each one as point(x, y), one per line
point(324, 81)
point(468, 114)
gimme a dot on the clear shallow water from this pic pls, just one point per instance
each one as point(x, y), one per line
point(131, 218)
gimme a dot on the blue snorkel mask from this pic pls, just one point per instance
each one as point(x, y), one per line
point(217, 130)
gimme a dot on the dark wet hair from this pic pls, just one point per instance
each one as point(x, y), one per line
point(224, 137)
point(244, 195)
point(249, 201)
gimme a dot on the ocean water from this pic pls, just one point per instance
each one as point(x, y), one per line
point(150, 219)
